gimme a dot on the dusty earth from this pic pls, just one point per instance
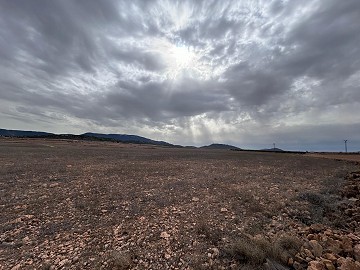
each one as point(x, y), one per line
point(102, 205)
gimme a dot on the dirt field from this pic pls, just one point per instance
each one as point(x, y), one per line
point(101, 205)
point(341, 156)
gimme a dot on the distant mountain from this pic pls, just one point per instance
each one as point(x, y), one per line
point(219, 146)
point(22, 133)
point(273, 150)
point(127, 138)
point(86, 136)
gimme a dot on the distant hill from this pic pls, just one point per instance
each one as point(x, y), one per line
point(22, 133)
point(272, 150)
point(86, 136)
point(219, 146)
point(127, 138)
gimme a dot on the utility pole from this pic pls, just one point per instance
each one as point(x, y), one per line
point(345, 141)
point(274, 145)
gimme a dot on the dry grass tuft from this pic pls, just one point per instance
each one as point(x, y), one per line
point(246, 251)
point(285, 247)
point(252, 253)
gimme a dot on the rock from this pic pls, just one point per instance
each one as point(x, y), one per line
point(328, 232)
point(299, 258)
point(334, 246)
point(317, 227)
point(308, 253)
point(195, 199)
point(346, 244)
point(297, 265)
point(340, 261)
point(315, 265)
point(63, 262)
point(216, 252)
point(349, 264)
point(54, 185)
point(328, 264)
point(164, 235)
point(353, 237)
point(357, 252)
point(316, 248)
point(167, 256)
point(330, 257)
point(26, 240)
point(16, 267)
point(223, 209)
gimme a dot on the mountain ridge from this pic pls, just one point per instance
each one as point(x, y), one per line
point(127, 138)
point(124, 138)
point(219, 146)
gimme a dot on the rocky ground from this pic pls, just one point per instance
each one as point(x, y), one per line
point(93, 205)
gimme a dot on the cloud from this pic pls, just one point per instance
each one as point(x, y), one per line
point(183, 71)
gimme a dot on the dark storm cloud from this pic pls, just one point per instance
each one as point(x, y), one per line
point(163, 101)
point(325, 42)
point(117, 64)
point(254, 87)
point(58, 35)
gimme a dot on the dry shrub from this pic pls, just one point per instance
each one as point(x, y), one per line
point(322, 208)
point(254, 252)
point(285, 247)
point(256, 226)
point(246, 251)
point(212, 235)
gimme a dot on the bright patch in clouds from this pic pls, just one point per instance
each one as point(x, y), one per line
point(181, 58)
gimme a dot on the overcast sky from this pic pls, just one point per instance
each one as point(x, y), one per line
point(247, 73)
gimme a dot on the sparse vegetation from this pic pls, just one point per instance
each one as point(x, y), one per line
point(246, 251)
point(255, 252)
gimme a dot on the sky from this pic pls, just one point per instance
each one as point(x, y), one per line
point(246, 73)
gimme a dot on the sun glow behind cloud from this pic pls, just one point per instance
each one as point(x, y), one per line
point(181, 60)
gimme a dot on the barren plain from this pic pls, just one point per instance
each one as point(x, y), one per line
point(103, 205)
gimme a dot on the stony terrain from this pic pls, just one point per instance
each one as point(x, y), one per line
point(101, 205)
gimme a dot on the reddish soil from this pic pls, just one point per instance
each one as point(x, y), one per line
point(101, 205)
